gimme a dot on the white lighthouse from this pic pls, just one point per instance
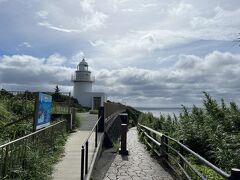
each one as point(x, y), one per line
point(82, 88)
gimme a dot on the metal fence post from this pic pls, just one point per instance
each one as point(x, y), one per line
point(82, 163)
point(235, 174)
point(123, 149)
point(124, 118)
point(181, 152)
point(96, 134)
point(101, 121)
point(86, 159)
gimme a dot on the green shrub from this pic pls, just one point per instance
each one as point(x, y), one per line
point(77, 121)
point(213, 131)
point(93, 111)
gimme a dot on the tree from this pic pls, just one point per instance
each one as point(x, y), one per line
point(56, 90)
point(56, 95)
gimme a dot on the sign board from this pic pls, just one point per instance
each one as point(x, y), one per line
point(43, 110)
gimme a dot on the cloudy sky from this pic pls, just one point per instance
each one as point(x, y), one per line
point(152, 53)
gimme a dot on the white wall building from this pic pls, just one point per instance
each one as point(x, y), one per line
point(82, 88)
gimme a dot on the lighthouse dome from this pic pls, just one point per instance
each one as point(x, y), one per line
point(83, 65)
point(83, 62)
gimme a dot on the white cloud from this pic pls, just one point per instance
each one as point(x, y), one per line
point(25, 44)
point(50, 26)
point(182, 10)
point(42, 14)
point(215, 73)
point(55, 60)
point(77, 57)
point(29, 70)
point(97, 43)
point(87, 6)
point(167, 47)
point(93, 21)
point(71, 16)
point(224, 25)
point(183, 83)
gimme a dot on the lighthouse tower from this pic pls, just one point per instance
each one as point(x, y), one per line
point(82, 87)
point(82, 79)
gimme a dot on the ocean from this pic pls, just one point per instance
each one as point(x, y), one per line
point(164, 111)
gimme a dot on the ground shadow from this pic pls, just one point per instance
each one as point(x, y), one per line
point(103, 163)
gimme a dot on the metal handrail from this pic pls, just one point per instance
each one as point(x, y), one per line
point(14, 154)
point(206, 162)
point(186, 161)
point(84, 149)
point(166, 145)
point(152, 130)
point(31, 134)
point(91, 131)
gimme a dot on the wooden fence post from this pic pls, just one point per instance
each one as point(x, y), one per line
point(166, 146)
point(181, 152)
point(164, 143)
point(162, 146)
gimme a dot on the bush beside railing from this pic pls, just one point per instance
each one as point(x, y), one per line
point(175, 154)
point(25, 158)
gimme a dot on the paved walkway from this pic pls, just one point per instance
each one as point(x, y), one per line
point(69, 166)
point(139, 165)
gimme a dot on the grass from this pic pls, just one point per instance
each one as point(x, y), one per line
point(77, 120)
point(93, 111)
point(5, 115)
point(116, 145)
point(41, 165)
point(40, 158)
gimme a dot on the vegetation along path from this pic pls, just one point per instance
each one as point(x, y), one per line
point(137, 165)
point(69, 166)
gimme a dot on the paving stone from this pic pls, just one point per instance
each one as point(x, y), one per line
point(138, 165)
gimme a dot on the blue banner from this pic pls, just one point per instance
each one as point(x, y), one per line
point(44, 110)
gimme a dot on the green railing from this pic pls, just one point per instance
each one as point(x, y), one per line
point(16, 157)
point(60, 108)
point(174, 153)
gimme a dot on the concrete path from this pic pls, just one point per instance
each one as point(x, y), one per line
point(139, 165)
point(69, 166)
point(87, 121)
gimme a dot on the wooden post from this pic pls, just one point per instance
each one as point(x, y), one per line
point(5, 165)
point(123, 150)
point(235, 174)
point(166, 146)
point(69, 102)
point(181, 152)
point(164, 143)
point(35, 117)
point(72, 120)
point(162, 146)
